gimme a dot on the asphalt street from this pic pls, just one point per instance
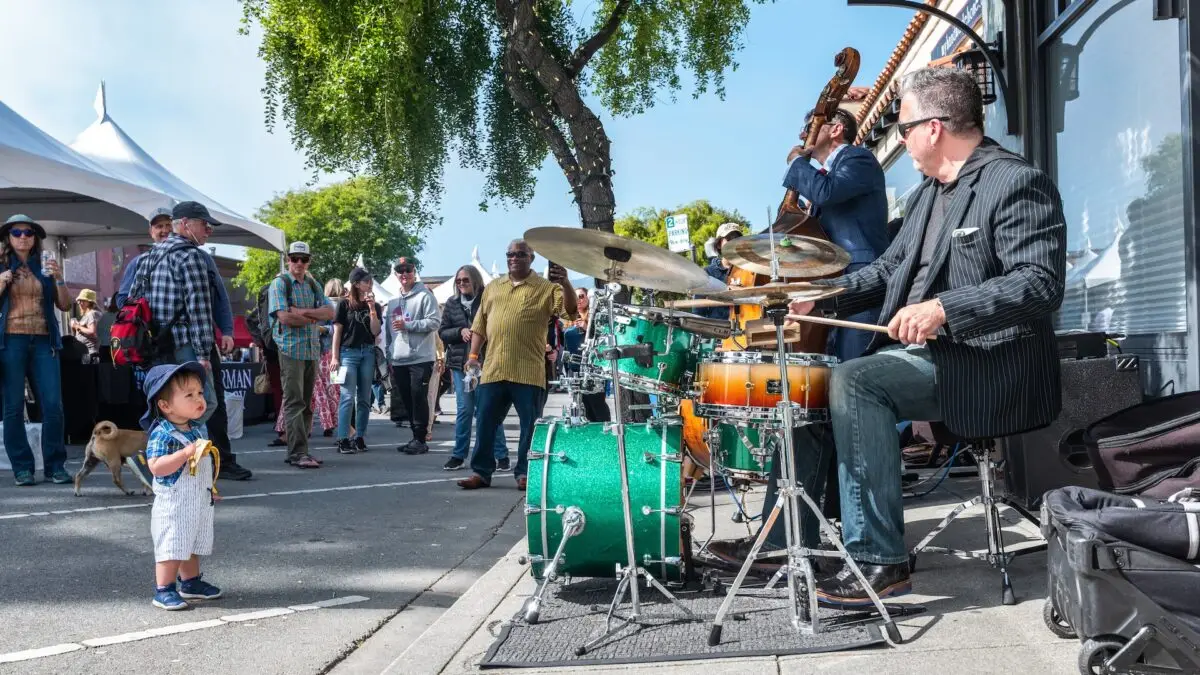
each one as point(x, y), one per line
point(311, 562)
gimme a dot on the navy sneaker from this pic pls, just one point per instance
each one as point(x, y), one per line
point(60, 477)
point(166, 597)
point(24, 478)
point(503, 465)
point(198, 589)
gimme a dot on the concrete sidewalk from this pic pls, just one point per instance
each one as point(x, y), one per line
point(964, 630)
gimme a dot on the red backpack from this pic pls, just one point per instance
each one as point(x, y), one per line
point(134, 337)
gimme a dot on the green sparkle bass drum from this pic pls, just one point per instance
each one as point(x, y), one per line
point(574, 470)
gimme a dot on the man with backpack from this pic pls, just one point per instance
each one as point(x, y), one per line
point(296, 304)
point(162, 223)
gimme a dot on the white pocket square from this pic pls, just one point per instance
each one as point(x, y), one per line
point(964, 231)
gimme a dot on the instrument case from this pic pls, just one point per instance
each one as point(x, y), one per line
point(1123, 579)
point(1150, 449)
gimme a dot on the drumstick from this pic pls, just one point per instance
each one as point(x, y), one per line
point(842, 323)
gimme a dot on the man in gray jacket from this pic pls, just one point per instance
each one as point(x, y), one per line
point(410, 330)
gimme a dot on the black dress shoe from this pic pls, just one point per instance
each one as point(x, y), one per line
point(733, 553)
point(843, 589)
point(234, 471)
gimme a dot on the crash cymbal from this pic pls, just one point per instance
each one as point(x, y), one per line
point(799, 257)
point(611, 257)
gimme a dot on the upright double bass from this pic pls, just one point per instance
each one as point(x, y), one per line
point(794, 218)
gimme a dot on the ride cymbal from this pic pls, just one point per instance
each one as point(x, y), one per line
point(769, 294)
point(611, 257)
point(799, 257)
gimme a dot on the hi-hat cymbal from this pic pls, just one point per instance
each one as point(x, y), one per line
point(799, 257)
point(767, 294)
point(611, 257)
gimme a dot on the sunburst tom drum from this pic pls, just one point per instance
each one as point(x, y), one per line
point(745, 387)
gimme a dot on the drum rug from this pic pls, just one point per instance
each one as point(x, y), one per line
point(574, 614)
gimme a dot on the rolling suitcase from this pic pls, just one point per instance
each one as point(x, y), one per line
point(1123, 579)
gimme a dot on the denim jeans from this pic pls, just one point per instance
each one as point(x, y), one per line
point(465, 417)
point(359, 363)
point(868, 397)
point(32, 354)
point(185, 354)
point(494, 401)
point(813, 446)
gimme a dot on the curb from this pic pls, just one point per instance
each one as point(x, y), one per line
point(434, 650)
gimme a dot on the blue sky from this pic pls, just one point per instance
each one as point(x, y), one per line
point(185, 86)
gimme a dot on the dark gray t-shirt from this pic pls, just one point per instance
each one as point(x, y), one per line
point(933, 233)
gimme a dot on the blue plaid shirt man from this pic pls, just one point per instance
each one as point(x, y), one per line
point(179, 292)
point(298, 342)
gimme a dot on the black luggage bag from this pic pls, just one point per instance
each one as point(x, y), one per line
point(1151, 449)
point(1123, 579)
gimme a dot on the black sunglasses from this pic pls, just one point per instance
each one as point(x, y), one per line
point(462, 280)
point(298, 258)
point(22, 233)
point(906, 127)
point(516, 254)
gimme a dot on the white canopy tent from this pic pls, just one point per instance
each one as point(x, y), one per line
point(82, 206)
point(108, 146)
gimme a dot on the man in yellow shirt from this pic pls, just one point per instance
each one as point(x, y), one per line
point(512, 319)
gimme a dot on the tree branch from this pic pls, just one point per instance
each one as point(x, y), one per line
point(529, 102)
point(585, 51)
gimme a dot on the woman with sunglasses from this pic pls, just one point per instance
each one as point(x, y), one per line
point(355, 327)
point(457, 315)
point(30, 291)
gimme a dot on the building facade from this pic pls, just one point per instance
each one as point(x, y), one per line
point(1101, 97)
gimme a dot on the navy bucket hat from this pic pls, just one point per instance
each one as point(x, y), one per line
point(157, 378)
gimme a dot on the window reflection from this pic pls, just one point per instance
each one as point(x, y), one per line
point(901, 178)
point(1117, 147)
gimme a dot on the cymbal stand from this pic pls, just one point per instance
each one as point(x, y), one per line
point(633, 571)
point(804, 615)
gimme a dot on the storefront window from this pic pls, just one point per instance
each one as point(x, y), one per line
point(901, 178)
point(1116, 145)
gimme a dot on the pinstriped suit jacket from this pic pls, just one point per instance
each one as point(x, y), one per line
point(996, 358)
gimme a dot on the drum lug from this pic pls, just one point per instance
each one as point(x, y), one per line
point(534, 510)
point(560, 456)
point(651, 458)
point(670, 511)
point(673, 560)
point(531, 560)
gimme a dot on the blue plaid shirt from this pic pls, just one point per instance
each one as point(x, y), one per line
point(295, 342)
point(162, 443)
point(179, 292)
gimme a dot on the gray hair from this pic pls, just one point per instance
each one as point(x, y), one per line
point(178, 224)
point(946, 92)
point(475, 277)
point(520, 243)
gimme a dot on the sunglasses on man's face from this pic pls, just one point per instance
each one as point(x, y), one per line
point(405, 269)
point(299, 259)
point(516, 254)
point(22, 233)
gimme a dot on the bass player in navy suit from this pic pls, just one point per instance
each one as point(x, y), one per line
point(845, 188)
point(979, 263)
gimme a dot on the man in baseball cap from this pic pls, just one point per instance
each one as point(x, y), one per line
point(718, 268)
point(194, 210)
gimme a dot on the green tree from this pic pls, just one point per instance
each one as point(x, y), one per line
point(339, 222)
point(650, 224)
point(391, 86)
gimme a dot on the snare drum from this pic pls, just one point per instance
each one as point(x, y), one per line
point(672, 347)
point(746, 387)
point(576, 465)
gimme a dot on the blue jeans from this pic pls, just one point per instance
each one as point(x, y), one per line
point(494, 400)
point(813, 446)
point(869, 396)
point(377, 390)
point(465, 417)
point(35, 355)
point(359, 363)
point(185, 354)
